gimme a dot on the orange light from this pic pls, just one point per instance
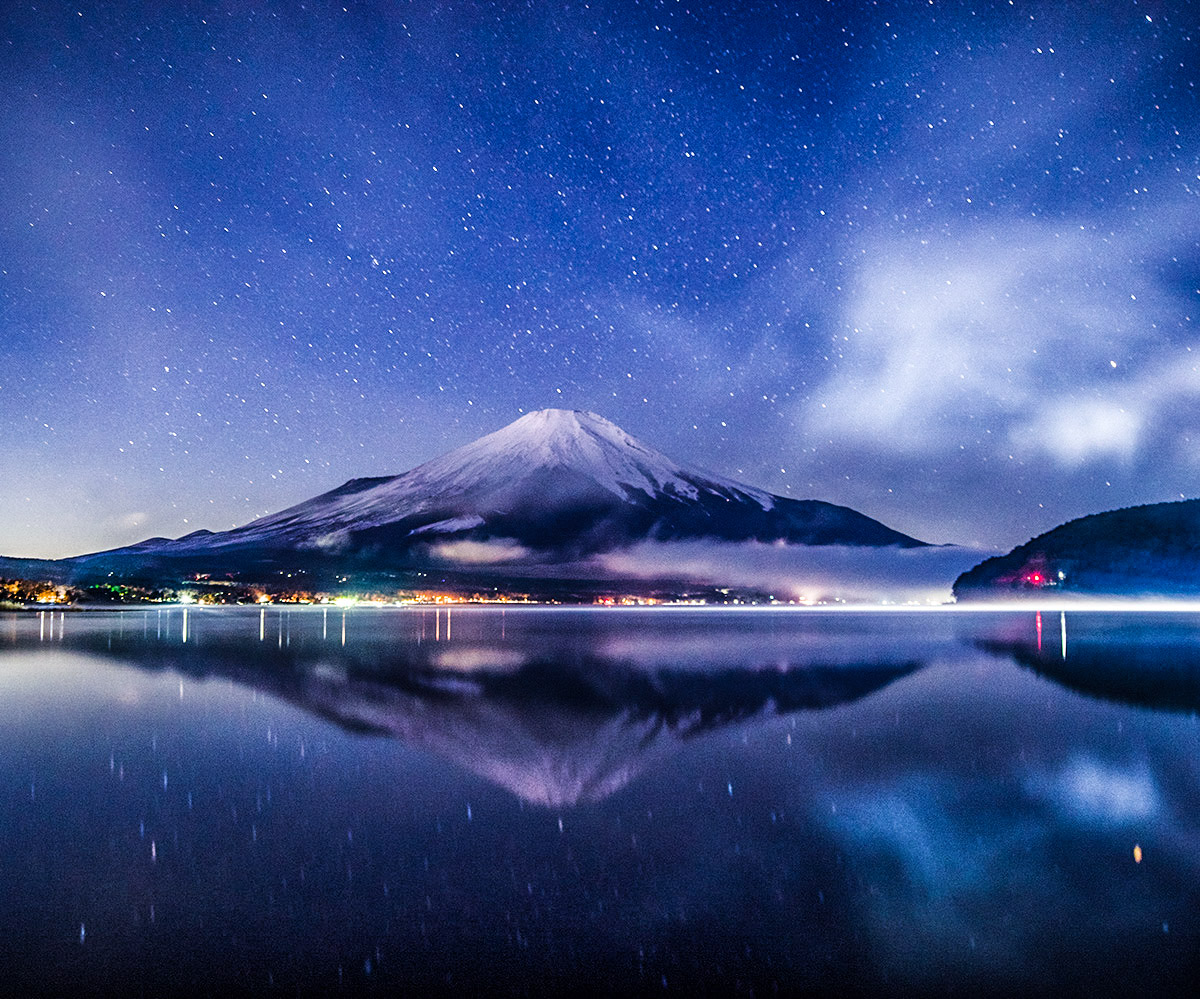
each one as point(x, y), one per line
point(1137, 853)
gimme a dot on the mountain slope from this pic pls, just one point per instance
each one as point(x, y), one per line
point(1151, 550)
point(553, 486)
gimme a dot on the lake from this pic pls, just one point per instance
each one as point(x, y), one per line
point(526, 800)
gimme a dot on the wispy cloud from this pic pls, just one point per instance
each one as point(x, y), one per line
point(468, 552)
point(1040, 333)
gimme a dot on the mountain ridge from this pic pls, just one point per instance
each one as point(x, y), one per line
point(554, 487)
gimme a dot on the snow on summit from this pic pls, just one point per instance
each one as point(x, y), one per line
point(572, 439)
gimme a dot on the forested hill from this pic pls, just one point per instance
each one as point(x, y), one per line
point(1151, 550)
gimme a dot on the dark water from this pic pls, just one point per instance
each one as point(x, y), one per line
point(528, 801)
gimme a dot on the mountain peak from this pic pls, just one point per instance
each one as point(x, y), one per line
point(568, 439)
point(543, 426)
point(562, 420)
point(557, 428)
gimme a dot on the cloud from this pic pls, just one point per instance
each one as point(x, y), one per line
point(1037, 336)
point(1075, 433)
point(1149, 409)
point(334, 541)
point(480, 552)
point(132, 521)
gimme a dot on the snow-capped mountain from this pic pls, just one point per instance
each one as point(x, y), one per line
point(554, 486)
point(578, 456)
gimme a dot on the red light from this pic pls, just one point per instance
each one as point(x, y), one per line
point(1036, 579)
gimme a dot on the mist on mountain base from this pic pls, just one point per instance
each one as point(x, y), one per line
point(802, 572)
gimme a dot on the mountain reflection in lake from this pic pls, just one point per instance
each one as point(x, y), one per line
point(527, 800)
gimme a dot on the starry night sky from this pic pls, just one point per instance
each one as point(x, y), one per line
point(936, 261)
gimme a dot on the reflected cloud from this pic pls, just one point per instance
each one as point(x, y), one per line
point(908, 824)
point(1094, 793)
point(1005, 800)
point(945, 858)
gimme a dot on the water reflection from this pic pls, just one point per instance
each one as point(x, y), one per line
point(766, 803)
point(555, 718)
point(1139, 660)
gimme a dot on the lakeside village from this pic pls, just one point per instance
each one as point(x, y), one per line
point(22, 594)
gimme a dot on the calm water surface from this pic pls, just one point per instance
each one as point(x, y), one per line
point(530, 800)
